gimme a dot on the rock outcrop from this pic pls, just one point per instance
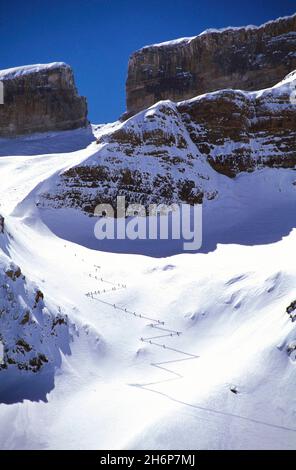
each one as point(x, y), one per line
point(249, 58)
point(242, 131)
point(174, 152)
point(40, 98)
point(32, 337)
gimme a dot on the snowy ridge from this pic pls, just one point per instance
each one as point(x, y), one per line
point(248, 27)
point(187, 40)
point(16, 72)
point(172, 42)
point(35, 329)
point(283, 88)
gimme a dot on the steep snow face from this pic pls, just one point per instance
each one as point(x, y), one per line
point(36, 333)
point(178, 152)
point(32, 334)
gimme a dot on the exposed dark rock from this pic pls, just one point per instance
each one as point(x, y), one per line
point(40, 98)
point(30, 340)
point(291, 310)
point(14, 273)
point(1, 224)
point(239, 131)
point(39, 296)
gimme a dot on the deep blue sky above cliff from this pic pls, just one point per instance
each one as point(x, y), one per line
point(96, 37)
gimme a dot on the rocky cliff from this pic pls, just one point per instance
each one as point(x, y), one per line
point(174, 152)
point(30, 335)
point(40, 98)
point(248, 58)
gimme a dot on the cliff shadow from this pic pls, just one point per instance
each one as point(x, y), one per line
point(259, 228)
point(15, 387)
point(252, 209)
point(47, 143)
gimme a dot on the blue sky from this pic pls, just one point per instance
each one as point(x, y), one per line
point(96, 37)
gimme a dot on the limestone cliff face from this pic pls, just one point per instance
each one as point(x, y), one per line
point(40, 98)
point(250, 58)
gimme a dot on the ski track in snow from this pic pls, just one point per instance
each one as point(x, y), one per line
point(156, 324)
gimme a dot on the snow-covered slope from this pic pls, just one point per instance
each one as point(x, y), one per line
point(112, 383)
